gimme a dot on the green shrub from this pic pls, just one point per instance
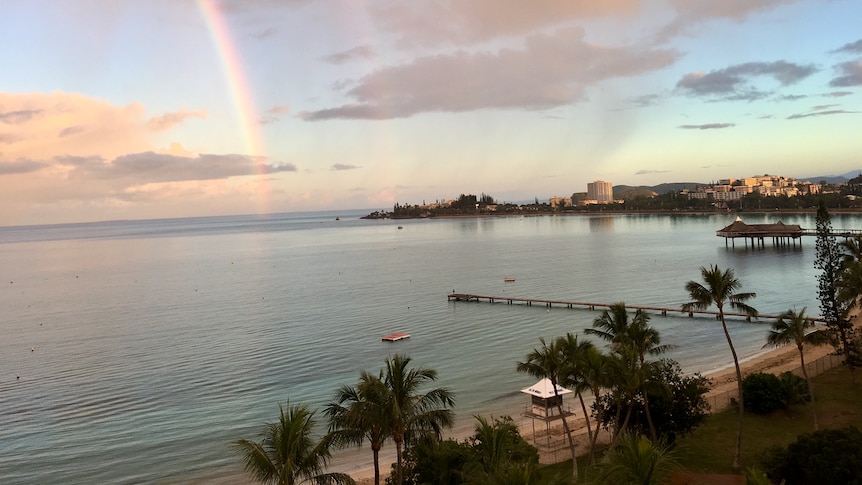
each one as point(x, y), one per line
point(795, 389)
point(825, 457)
point(763, 393)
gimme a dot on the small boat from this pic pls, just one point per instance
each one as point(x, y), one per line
point(509, 279)
point(394, 337)
point(400, 227)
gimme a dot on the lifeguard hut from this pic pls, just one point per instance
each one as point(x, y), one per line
point(545, 405)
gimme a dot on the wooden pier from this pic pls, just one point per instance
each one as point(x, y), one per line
point(780, 233)
point(664, 311)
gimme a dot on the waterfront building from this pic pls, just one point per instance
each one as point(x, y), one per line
point(600, 191)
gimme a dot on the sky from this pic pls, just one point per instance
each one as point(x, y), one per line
point(137, 109)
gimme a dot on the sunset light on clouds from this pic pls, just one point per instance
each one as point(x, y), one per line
point(172, 108)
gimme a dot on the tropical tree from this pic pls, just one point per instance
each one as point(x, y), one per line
point(575, 376)
point(793, 327)
point(595, 371)
point(831, 260)
point(359, 413)
point(548, 362)
point(633, 341)
point(719, 288)
point(287, 453)
point(411, 412)
point(635, 460)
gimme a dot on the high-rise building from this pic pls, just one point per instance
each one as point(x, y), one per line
point(600, 191)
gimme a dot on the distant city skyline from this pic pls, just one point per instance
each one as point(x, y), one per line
point(125, 109)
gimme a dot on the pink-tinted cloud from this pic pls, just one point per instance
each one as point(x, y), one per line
point(170, 120)
point(427, 23)
point(550, 70)
point(356, 53)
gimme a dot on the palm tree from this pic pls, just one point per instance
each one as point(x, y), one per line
point(575, 354)
point(409, 412)
point(358, 413)
point(287, 454)
point(635, 460)
point(549, 363)
point(596, 374)
point(634, 337)
point(793, 327)
point(719, 288)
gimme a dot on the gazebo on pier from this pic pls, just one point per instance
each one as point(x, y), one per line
point(781, 233)
point(544, 408)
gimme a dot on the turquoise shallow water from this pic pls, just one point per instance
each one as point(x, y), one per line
point(145, 347)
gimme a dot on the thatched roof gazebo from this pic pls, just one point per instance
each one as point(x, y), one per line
point(781, 233)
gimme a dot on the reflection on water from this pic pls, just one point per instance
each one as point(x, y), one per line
point(602, 223)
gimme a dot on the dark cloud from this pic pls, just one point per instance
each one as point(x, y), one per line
point(19, 166)
point(850, 74)
point(646, 100)
point(820, 113)
point(707, 126)
point(19, 116)
point(549, 71)
point(150, 167)
point(358, 52)
point(343, 166)
point(791, 97)
point(852, 48)
point(822, 107)
point(734, 83)
point(837, 94)
point(71, 130)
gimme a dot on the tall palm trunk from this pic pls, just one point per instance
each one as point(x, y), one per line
point(399, 472)
point(587, 419)
point(736, 456)
point(568, 433)
point(808, 381)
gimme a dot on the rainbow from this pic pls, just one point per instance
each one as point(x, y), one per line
point(240, 93)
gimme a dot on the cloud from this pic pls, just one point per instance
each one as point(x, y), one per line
point(150, 167)
point(19, 167)
point(358, 52)
point(646, 100)
point(735, 82)
point(837, 94)
point(431, 23)
point(791, 97)
point(169, 120)
point(71, 130)
point(822, 107)
point(850, 74)
point(550, 70)
point(707, 126)
point(851, 48)
point(19, 116)
point(691, 13)
point(343, 166)
point(648, 172)
point(820, 113)
point(274, 114)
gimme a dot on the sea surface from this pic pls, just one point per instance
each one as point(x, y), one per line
point(137, 351)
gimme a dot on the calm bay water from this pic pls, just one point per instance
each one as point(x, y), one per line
point(143, 348)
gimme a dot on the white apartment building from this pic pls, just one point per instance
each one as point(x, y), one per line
point(600, 191)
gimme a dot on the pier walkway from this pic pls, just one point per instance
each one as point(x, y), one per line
point(664, 311)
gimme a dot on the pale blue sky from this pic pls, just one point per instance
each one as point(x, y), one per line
point(114, 109)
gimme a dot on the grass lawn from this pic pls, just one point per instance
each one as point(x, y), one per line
point(710, 448)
